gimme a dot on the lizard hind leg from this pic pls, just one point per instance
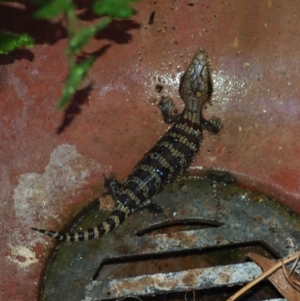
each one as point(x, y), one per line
point(113, 186)
point(151, 207)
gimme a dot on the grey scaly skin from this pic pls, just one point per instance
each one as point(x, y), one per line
point(166, 161)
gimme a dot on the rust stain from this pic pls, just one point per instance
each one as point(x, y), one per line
point(191, 278)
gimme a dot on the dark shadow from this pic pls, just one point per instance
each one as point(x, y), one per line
point(117, 31)
point(79, 99)
point(16, 55)
point(96, 53)
point(84, 4)
point(86, 12)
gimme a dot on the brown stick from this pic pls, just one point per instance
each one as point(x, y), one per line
point(264, 275)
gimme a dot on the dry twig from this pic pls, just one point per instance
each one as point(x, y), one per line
point(272, 268)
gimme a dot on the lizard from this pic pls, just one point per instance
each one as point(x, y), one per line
point(167, 160)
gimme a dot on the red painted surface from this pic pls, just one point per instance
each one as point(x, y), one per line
point(46, 177)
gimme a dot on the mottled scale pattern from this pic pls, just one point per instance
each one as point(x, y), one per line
point(167, 160)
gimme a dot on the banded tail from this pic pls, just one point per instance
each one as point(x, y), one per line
point(113, 221)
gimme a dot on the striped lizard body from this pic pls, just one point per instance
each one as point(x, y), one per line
point(167, 160)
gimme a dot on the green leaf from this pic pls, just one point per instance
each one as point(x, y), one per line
point(10, 41)
point(77, 73)
point(114, 8)
point(51, 8)
point(82, 37)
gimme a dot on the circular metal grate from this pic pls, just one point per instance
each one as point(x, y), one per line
point(236, 217)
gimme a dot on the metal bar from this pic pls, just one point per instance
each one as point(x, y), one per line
point(160, 283)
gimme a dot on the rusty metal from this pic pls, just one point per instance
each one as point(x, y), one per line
point(238, 217)
point(160, 283)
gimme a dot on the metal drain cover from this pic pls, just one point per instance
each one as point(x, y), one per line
point(239, 217)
